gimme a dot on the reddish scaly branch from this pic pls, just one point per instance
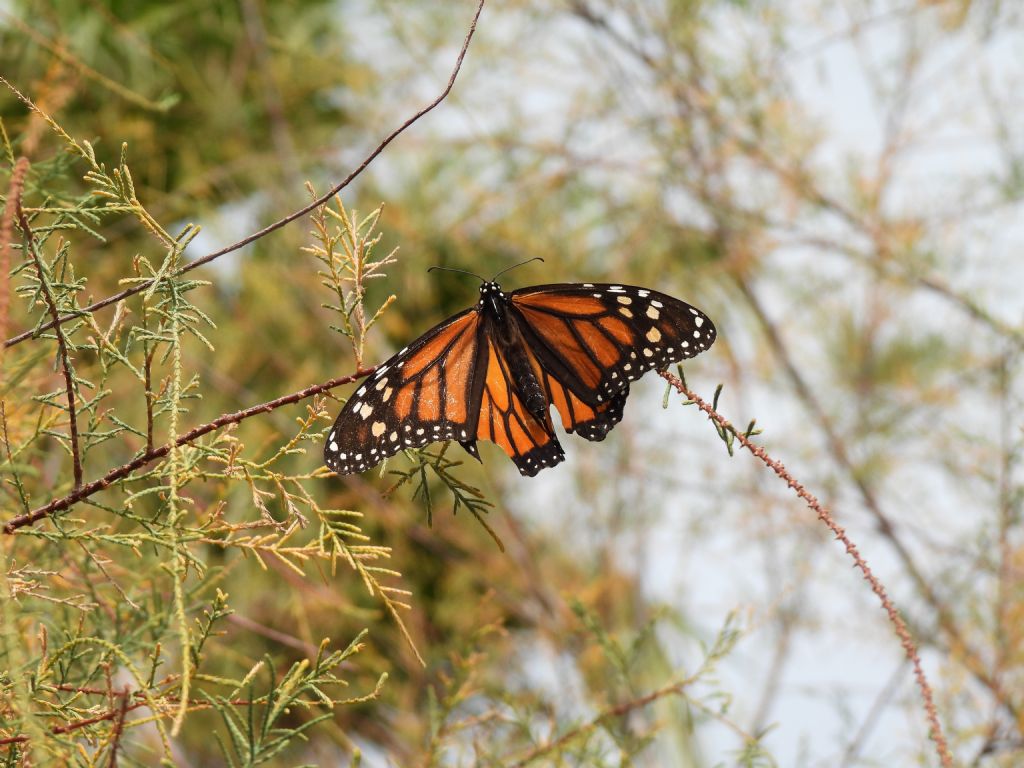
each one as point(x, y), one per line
point(151, 455)
point(118, 713)
point(115, 740)
point(909, 646)
point(62, 342)
point(280, 222)
point(78, 723)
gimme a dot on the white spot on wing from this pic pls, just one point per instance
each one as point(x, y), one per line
point(366, 410)
point(654, 335)
point(378, 428)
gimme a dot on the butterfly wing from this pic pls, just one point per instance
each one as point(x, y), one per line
point(528, 438)
point(421, 395)
point(592, 340)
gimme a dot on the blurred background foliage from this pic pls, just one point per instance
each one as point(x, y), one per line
point(838, 185)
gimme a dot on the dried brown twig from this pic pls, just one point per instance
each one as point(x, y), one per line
point(143, 286)
point(909, 646)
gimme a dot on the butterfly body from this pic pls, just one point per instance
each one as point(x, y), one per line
point(492, 372)
point(500, 324)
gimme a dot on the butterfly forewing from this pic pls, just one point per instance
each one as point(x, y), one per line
point(419, 396)
point(594, 339)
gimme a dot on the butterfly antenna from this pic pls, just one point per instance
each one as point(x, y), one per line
point(454, 269)
point(521, 263)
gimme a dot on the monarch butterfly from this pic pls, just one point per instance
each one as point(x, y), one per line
point(492, 372)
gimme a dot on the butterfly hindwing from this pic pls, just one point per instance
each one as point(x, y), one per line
point(592, 422)
point(419, 396)
point(504, 418)
point(594, 339)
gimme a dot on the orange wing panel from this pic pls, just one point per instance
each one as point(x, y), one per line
point(557, 334)
point(429, 352)
point(569, 305)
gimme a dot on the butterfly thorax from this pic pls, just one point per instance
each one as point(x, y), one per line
point(493, 300)
point(508, 337)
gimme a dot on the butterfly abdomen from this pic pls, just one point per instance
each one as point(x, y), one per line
point(508, 336)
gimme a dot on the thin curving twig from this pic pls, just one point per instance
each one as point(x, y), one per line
point(62, 344)
point(84, 491)
point(909, 646)
point(139, 288)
